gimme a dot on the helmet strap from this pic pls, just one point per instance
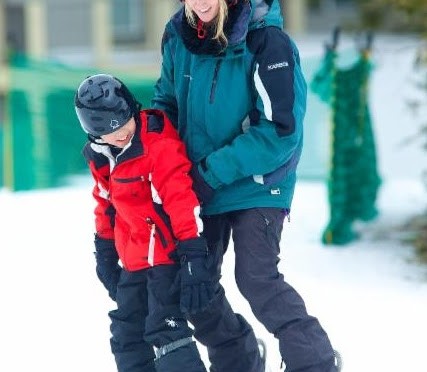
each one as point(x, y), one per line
point(95, 139)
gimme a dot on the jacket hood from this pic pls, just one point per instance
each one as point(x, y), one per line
point(265, 13)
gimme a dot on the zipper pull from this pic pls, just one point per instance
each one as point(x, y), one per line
point(201, 32)
point(151, 243)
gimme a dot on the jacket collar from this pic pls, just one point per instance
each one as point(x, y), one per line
point(235, 29)
point(244, 16)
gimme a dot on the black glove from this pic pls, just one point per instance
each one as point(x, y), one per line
point(202, 189)
point(196, 277)
point(107, 265)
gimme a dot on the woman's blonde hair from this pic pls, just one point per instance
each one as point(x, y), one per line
point(219, 20)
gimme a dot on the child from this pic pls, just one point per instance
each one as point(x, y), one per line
point(146, 213)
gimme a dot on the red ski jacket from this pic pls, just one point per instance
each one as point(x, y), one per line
point(144, 197)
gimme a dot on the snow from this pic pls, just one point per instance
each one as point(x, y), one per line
point(370, 296)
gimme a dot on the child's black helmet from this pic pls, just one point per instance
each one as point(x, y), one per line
point(103, 104)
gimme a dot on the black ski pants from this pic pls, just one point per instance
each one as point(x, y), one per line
point(148, 314)
point(304, 345)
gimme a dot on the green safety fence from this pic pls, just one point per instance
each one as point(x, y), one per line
point(41, 138)
point(353, 179)
point(1, 154)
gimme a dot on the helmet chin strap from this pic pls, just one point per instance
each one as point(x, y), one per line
point(95, 139)
point(100, 141)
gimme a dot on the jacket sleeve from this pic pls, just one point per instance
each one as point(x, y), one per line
point(173, 184)
point(274, 137)
point(164, 91)
point(104, 210)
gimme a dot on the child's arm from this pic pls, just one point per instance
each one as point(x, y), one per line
point(197, 279)
point(107, 266)
point(171, 179)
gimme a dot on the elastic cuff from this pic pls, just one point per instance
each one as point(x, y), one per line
point(192, 245)
point(104, 245)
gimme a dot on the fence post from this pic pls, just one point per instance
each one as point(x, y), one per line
point(35, 28)
point(102, 31)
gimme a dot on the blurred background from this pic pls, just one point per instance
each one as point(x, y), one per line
point(48, 46)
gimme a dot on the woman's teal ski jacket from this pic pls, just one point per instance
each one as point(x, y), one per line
point(239, 110)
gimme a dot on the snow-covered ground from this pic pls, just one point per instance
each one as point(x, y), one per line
point(370, 296)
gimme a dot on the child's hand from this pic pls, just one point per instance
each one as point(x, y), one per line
point(107, 267)
point(196, 278)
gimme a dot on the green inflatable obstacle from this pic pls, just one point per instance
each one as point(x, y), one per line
point(353, 180)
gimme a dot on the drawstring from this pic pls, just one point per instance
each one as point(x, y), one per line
point(201, 32)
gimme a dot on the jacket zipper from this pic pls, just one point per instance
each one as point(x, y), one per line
point(156, 230)
point(214, 81)
point(151, 244)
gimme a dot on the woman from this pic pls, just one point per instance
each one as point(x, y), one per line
point(232, 84)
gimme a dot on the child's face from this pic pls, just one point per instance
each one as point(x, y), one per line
point(206, 10)
point(122, 136)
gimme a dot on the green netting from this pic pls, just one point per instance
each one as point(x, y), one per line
point(22, 147)
point(315, 155)
point(353, 179)
point(42, 139)
point(1, 155)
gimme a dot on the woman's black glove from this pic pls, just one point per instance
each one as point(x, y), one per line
point(201, 188)
point(196, 278)
point(107, 264)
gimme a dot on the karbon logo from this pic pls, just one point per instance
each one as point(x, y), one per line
point(277, 65)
